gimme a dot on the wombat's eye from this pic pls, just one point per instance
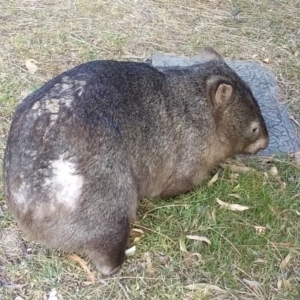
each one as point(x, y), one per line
point(254, 127)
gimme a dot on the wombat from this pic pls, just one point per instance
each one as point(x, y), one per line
point(88, 145)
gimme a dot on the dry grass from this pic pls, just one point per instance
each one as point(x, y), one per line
point(61, 34)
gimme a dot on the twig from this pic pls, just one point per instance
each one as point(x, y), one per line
point(87, 43)
point(146, 228)
point(123, 289)
point(15, 286)
point(294, 120)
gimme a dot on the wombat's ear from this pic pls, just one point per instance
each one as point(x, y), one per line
point(209, 53)
point(220, 93)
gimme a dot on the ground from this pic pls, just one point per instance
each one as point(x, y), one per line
point(249, 254)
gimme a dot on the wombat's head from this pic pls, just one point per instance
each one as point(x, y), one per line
point(237, 115)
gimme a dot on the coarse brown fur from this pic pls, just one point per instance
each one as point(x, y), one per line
point(86, 146)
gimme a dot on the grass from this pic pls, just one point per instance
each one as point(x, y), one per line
point(62, 34)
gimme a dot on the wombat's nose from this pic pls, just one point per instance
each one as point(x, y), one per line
point(262, 143)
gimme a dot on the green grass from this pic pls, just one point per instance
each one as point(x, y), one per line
point(62, 34)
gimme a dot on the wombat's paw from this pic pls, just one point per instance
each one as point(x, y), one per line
point(106, 270)
point(108, 262)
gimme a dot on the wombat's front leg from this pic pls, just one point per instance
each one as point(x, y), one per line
point(107, 224)
point(108, 251)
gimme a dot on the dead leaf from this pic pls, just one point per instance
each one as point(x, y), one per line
point(130, 251)
point(236, 188)
point(214, 179)
point(150, 268)
point(199, 238)
point(233, 207)
point(235, 162)
point(87, 283)
point(284, 245)
point(282, 185)
point(279, 283)
point(297, 158)
point(285, 282)
point(136, 234)
point(235, 196)
point(266, 159)
point(191, 258)
point(137, 230)
point(203, 286)
point(274, 210)
point(284, 263)
point(197, 254)
point(31, 65)
point(53, 295)
point(182, 244)
point(295, 196)
point(84, 266)
point(253, 285)
point(236, 169)
point(259, 261)
point(260, 229)
point(298, 213)
point(211, 215)
point(234, 176)
point(273, 171)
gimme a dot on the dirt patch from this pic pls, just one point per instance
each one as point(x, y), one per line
point(10, 245)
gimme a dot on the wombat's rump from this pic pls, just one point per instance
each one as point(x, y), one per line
point(86, 146)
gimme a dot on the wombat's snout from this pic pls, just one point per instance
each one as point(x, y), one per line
point(261, 144)
point(259, 136)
